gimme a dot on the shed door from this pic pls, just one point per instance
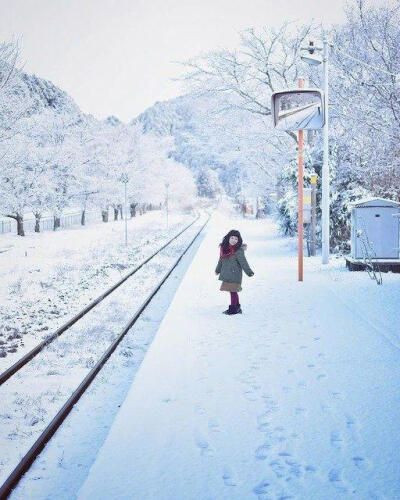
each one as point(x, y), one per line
point(382, 230)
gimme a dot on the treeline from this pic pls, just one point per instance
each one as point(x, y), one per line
point(54, 157)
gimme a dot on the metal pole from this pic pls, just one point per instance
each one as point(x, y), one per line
point(300, 177)
point(313, 214)
point(126, 218)
point(325, 165)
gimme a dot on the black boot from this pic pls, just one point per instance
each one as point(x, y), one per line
point(229, 310)
point(236, 309)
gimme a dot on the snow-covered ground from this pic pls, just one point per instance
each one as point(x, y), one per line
point(34, 395)
point(297, 398)
point(47, 278)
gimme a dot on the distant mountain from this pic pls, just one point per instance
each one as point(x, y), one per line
point(188, 119)
point(208, 131)
point(34, 94)
point(47, 95)
point(196, 123)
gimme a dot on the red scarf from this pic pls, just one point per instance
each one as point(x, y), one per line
point(230, 252)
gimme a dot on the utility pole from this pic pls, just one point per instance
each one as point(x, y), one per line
point(313, 214)
point(325, 164)
point(125, 180)
point(300, 193)
point(314, 59)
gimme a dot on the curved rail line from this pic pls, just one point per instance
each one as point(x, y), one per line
point(32, 353)
point(47, 434)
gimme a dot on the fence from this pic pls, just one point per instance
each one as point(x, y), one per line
point(6, 226)
point(67, 220)
point(47, 223)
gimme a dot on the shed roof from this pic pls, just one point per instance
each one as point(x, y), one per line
point(375, 202)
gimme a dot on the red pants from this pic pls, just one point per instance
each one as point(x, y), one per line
point(234, 298)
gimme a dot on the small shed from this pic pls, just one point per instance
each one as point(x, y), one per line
point(375, 222)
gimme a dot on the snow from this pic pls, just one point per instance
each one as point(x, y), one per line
point(33, 396)
point(64, 464)
point(47, 278)
point(296, 398)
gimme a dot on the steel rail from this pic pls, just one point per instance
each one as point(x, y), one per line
point(47, 434)
point(33, 352)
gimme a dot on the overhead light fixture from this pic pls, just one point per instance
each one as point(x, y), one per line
point(312, 59)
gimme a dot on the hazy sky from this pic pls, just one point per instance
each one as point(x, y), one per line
point(116, 56)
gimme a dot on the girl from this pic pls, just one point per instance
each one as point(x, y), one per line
point(229, 267)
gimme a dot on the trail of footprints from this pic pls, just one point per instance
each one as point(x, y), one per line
point(281, 465)
point(280, 462)
point(282, 468)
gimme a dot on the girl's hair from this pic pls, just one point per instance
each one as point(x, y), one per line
point(225, 241)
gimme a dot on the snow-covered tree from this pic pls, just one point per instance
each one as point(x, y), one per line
point(208, 185)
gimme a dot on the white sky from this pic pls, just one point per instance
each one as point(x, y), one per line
point(116, 56)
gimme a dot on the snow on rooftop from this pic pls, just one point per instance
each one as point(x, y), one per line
point(371, 200)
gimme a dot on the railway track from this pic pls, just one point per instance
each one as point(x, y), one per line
point(28, 459)
point(4, 376)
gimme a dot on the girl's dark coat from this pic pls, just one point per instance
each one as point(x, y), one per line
point(230, 268)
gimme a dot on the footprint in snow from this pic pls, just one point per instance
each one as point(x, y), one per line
point(287, 468)
point(261, 452)
point(213, 425)
point(350, 421)
point(250, 395)
point(261, 488)
point(361, 463)
point(228, 478)
point(335, 478)
point(263, 422)
point(310, 468)
point(204, 447)
point(336, 440)
point(352, 427)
